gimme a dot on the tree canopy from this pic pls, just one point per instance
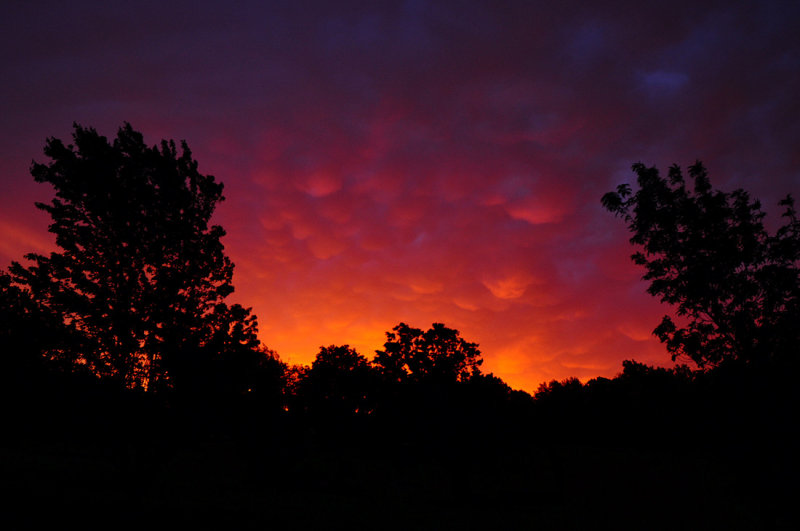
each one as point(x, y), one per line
point(141, 276)
point(340, 382)
point(438, 354)
point(735, 286)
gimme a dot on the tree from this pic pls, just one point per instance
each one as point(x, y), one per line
point(438, 355)
point(141, 277)
point(567, 387)
point(26, 329)
point(736, 288)
point(340, 381)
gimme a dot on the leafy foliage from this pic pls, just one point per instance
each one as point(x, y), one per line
point(141, 277)
point(438, 354)
point(340, 382)
point(26, 329)
point(707, 252)
point(553, 388)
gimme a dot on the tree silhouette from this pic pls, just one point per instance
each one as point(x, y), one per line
point(141, 277)
point(26, 330)
point(439, 354)
point(554, 388)
point(735, 286)
point(340, 382)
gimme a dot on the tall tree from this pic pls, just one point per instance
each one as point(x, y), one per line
point(736, 288)
point(141, 276)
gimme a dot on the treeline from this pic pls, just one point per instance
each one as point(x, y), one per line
point(137, 291)
point(340, 443)
point(131, 387)
point(424, 387)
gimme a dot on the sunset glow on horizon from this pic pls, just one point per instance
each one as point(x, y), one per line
point(420, 162)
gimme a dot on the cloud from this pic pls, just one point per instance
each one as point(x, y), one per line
point(507, 287)
point(321, 185)
point(421, 162)
point(660, 81)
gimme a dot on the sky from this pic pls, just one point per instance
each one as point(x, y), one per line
point(419, 162)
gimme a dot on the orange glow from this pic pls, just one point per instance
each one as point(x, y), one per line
point(530, 329)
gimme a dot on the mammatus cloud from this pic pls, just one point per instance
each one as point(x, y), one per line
point(510, 287)
point(420, 162)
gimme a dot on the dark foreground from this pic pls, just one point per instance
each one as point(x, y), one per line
point(713, 455)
